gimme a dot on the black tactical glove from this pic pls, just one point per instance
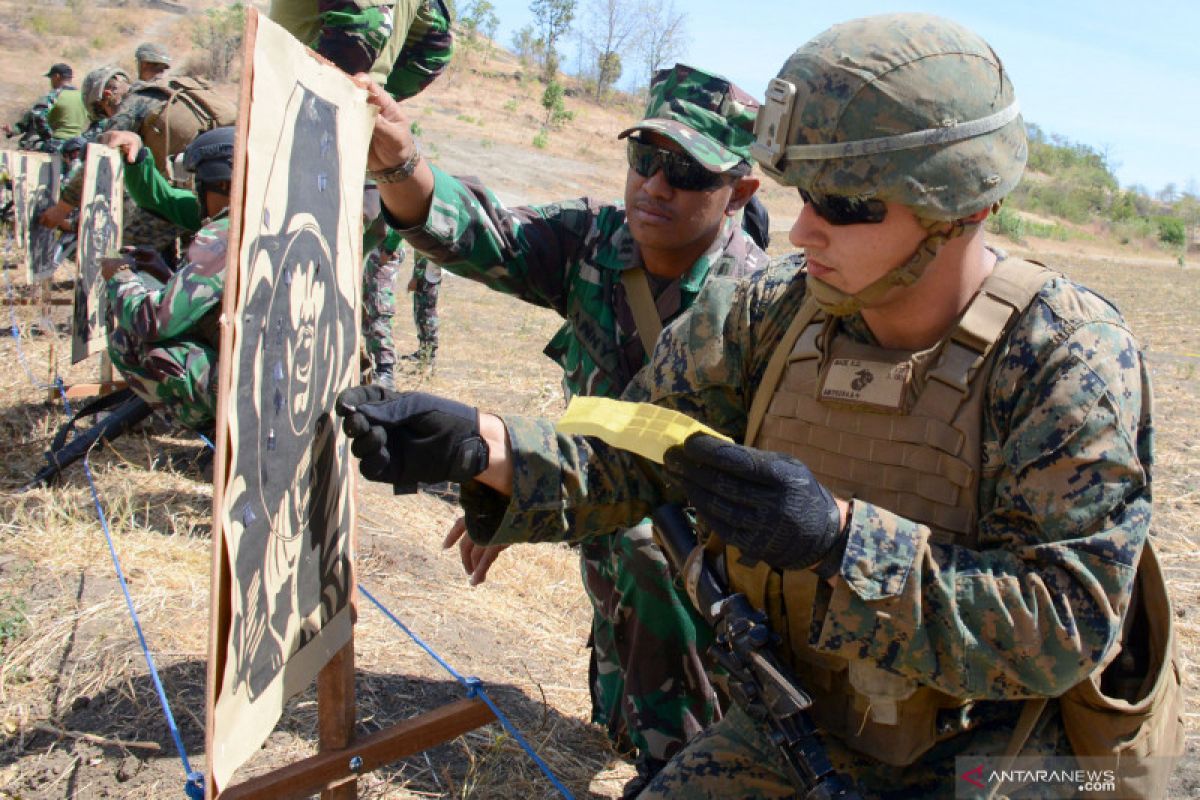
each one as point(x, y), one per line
point(768, 504)
point(403, 438)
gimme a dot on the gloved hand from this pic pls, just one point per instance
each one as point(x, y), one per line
point(768, 504)
point(406, 437)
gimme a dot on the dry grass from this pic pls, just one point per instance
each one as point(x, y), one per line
point(76, 705)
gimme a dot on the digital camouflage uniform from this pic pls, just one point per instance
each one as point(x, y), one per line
point(164, 338)
point(402, 44)
point(426, 278)
point(649, 681)
point(1028, 600)
point(379, 300)
point(901, 600)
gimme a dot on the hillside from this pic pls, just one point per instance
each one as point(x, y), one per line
point(78, 712)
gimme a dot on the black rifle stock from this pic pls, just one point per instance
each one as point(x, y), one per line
point(125, 409)
point(759, 682)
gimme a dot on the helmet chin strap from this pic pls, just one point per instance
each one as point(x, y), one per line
point(836, 303)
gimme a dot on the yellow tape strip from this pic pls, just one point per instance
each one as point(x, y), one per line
point(640, 428)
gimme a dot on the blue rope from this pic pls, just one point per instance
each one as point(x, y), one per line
point(15, 329)
point(194, 787)
point(474, 688)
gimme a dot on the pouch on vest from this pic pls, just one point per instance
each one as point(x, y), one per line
point(1133, 708)
point(192, 107)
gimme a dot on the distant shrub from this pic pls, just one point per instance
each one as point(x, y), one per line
point(1171, 230)
point(541, 140)
point(552, 101)
point(1007, 223)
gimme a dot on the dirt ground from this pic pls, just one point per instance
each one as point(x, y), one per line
point(78, 712)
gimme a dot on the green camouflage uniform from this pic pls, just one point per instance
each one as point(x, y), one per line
point(52, 120)
point(164, 338)
point(428, 277)
point(1068, 384)
point(402, 44)
point(379, 299)
point(649, 681)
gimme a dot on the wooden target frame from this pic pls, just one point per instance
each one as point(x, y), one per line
point(255, 218)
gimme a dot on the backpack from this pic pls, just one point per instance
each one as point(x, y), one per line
point(192, 106)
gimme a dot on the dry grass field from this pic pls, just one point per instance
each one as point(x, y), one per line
point(79, 715)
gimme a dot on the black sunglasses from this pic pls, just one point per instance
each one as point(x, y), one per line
point(839, 209)
point(681, 170)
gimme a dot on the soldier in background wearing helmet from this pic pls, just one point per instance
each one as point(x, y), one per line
point(942, 486)
point(163, 333)
point(153, 61)
point(124, 106)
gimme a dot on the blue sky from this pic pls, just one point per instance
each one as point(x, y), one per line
point(1119, 77)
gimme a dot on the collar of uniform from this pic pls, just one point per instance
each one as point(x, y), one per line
point(727, 240)
point(624, 254)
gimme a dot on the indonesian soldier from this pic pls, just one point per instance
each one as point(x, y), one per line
point(402, 44)
point(616, 273)
point(423, 286)
point(56, 118)
point(938, 487)
point(380, 269)
point(163, 329)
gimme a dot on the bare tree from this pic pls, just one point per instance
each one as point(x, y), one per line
point(611, 28)
point(665, 35)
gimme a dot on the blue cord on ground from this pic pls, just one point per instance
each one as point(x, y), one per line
point(474, 688)
point(194, 786)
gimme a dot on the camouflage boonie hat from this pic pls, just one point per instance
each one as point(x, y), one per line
point(96, 80)
point(908, 108)
point(705, 114)
point(152, 53)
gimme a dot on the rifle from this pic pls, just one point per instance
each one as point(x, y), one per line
point(760, 683)
point(125, 409)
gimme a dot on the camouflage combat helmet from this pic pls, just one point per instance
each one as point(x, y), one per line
point(151, 53)
point(708, 116)
point(908, 108)
point(94, 83)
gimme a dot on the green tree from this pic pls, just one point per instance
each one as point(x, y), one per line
point(477, 26)
point(553, 18)
point(218, 33)
point(609, 29)
point(608, 72)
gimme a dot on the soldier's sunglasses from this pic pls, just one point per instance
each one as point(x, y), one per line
point(681, 170)
point(838, 209)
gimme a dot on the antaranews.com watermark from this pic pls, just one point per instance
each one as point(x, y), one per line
point(1055, 778)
